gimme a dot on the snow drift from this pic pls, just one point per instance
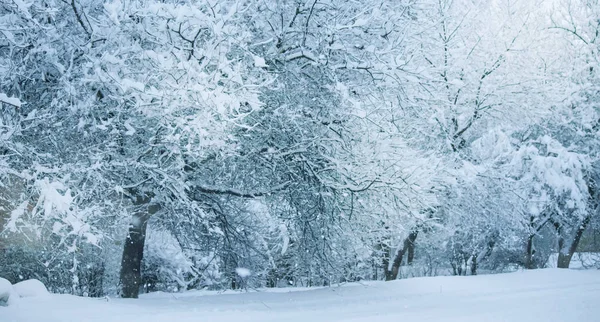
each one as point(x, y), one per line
point(8, 295)
point(549, 295)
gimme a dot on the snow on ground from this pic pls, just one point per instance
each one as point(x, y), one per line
point(532, 296)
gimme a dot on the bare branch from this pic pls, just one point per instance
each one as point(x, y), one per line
point(79, 19)
point(307, 22)
point(238, 193)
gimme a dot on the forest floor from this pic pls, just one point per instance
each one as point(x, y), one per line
point(534, 296)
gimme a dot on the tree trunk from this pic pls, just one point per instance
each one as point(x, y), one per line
point(393, 273)
point(561, 245)
point(407, 247)
point(385, 261)
point(474, 265)
point(410, 254)
point(454, 269)
point(535, 228)
point(530, 251)
point(564, 260)
point(133, 251)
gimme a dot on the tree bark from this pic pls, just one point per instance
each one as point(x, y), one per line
point(564, 260)
point(385, 261)
point(535, 228)
point(133, 250)
point(407, 247)
point(410, 253)
point(393, 273)
point(530, 251)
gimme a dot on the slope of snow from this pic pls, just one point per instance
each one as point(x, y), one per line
point(535, 296)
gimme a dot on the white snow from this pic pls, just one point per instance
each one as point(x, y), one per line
point(549, 295)
point(243, 272)
point(31, 288)
point(6, 292)
point(130, 129)
point(260, 62)
point(10, 100)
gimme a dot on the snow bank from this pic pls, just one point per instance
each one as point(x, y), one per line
point(7, 293)
point(549, 295)
point(31, 288)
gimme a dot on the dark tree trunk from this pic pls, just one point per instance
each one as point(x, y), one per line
point(393, 273)
point(530, 251)
point(133, 251)
point(272, 278)
point(410, 253)
point(564, 260)
point(385, 261)
point(407, 247)
point(561, 245)
point(535, 228)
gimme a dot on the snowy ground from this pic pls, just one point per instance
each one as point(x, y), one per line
point(535, 296)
